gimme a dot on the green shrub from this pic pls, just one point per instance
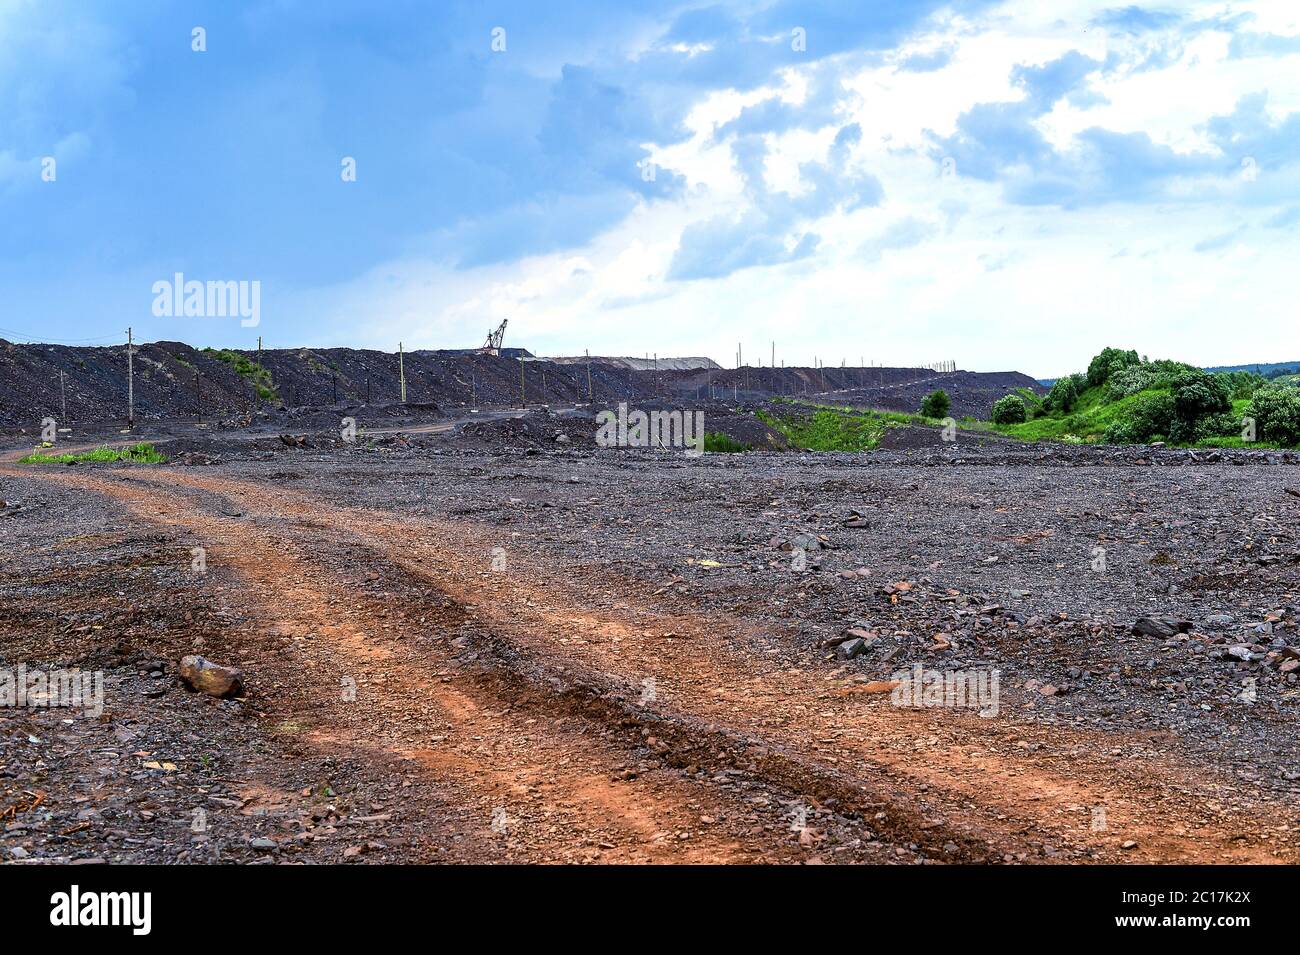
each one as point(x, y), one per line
point(936, 404)
point(1109, 362)
point(1129, 381)
point(1008, 410)
point(1197, 395)
point(1150, 417)
point(1276, 411)
point(1226, 424)
point(1242, 384)
point(1064, 394)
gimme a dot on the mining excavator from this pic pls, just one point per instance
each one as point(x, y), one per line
point(493, 344)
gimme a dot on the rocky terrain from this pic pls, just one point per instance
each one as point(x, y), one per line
point(464, 640)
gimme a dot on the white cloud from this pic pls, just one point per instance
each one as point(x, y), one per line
point(944, 267)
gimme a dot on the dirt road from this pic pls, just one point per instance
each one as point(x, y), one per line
point(563, 711)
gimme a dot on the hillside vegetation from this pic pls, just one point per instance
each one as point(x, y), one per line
point(1121, 398)
point(822, 427)
point(1125, 399)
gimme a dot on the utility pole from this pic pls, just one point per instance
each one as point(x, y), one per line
point(130, 381)
point(401, 369)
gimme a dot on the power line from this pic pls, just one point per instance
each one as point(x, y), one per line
point(33, 340)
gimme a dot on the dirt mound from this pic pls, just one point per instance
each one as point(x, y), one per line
point(539, 428)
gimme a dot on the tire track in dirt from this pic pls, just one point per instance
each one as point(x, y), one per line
point(965, 779)
point(551, 782)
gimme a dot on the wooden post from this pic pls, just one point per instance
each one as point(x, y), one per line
point(401, 369)
point(130, 381)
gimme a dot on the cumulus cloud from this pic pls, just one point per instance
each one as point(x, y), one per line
point(772, 230)
point(921, 158)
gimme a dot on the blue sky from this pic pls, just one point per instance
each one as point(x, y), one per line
point(1012, 185)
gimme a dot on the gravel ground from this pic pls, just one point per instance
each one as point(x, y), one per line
point(633, 656)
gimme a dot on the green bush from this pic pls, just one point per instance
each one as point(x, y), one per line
point(1226, 424)
point(1109, 362)
point(1242, 384)
point(1008, 410)
point(1129, 381)
point(1198, 395)
point(1150, 417)
point(1276, 411)
point(1064, 394)
point(936, 404)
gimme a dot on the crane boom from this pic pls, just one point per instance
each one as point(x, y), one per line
point(494, 339)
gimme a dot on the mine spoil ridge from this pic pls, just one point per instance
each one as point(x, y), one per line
point(174, 380)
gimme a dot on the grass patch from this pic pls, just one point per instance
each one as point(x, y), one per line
point(1236, 442)
point(142, 453)
point(829, 429)
point(724, 443)
point(890, 419)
